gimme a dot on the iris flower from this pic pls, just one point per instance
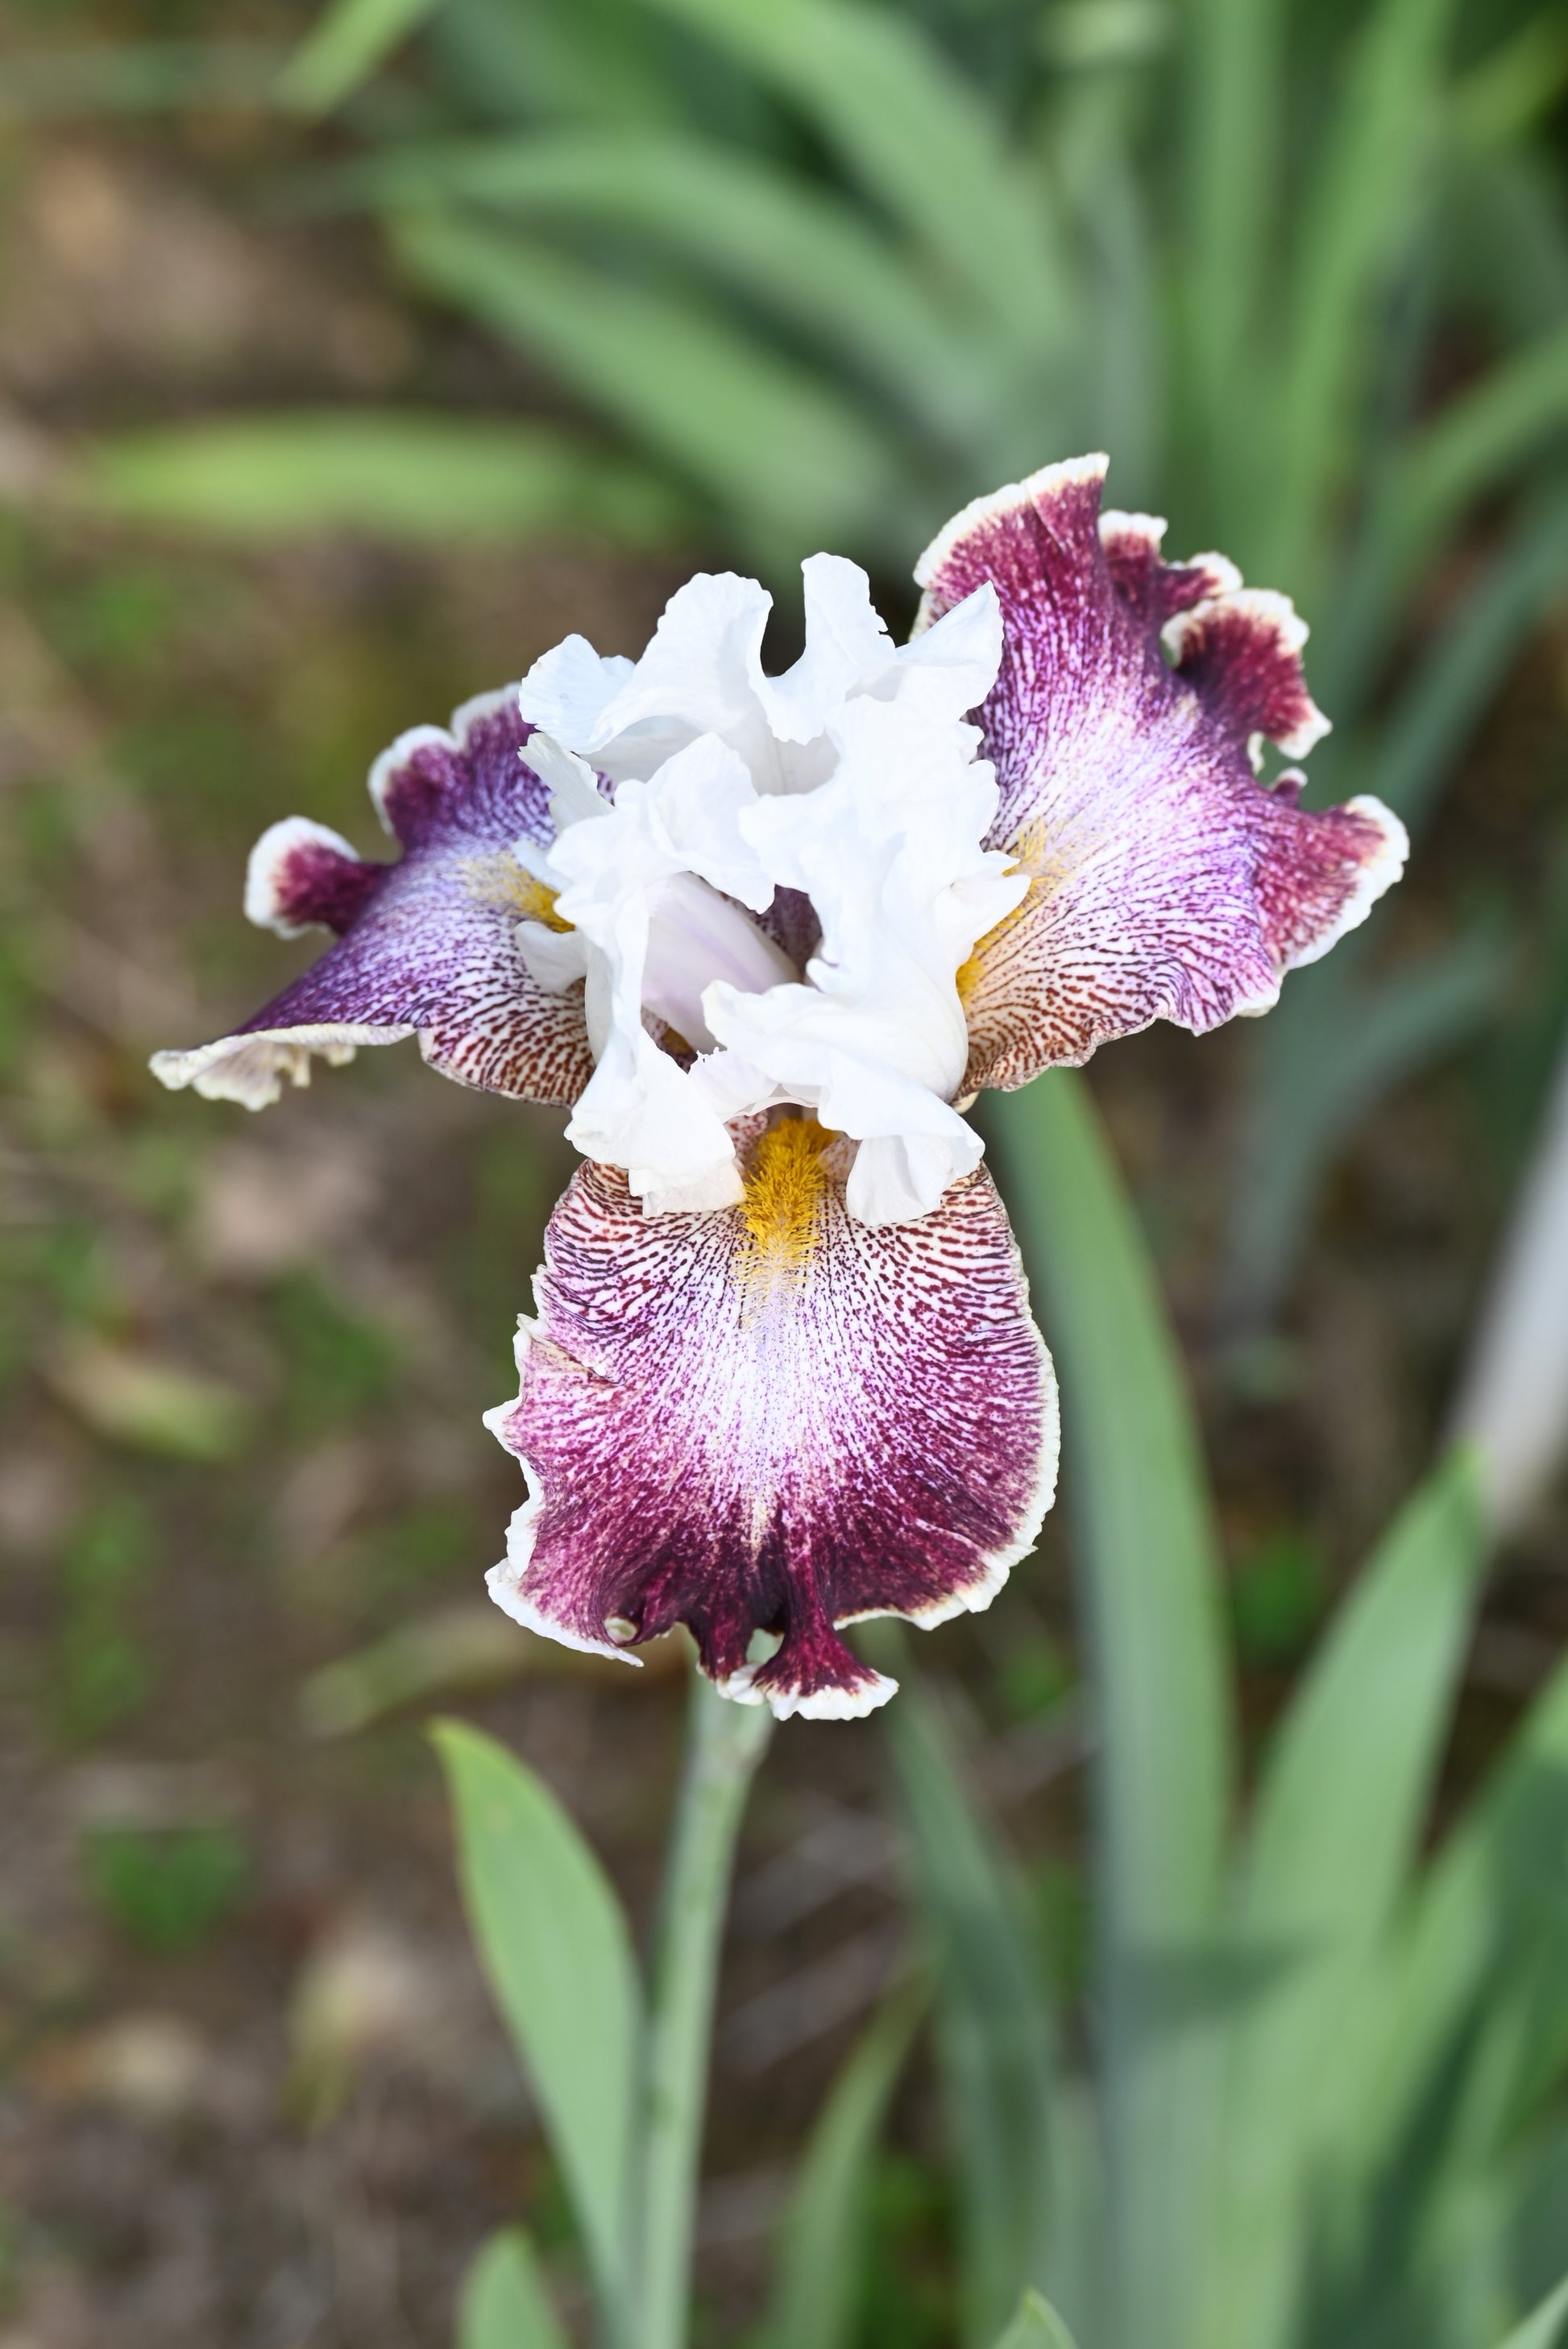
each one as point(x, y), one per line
point(768, 937)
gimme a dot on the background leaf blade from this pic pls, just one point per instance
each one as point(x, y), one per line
point(1151, 1595)
point(554, 1946)
point(505, 2304)
point(813, 2302)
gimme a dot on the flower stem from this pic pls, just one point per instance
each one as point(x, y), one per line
point(725, 1742)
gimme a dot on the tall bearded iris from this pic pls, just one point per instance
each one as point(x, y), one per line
point(768, 937)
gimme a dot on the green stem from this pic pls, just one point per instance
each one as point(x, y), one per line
point(725, 1742)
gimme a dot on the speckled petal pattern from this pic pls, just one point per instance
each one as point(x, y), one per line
point(427, 946)
point(1166, 881)
point(769, 1421)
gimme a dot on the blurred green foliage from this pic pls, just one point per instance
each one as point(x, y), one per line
point(340, 1365)
point(167, 1887)
point(1033, 1675)
point(1277, 1596)
point(905, 2294)
point(103, 1672)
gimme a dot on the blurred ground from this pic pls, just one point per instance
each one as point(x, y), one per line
point(257, 2099)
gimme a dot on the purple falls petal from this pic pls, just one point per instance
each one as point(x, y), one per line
point(768, 1421)
point(426, 947)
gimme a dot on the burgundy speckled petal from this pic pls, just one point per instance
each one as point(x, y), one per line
point(1168, 882)
point(427, 946)
point(772, 1419)
point(302, 876)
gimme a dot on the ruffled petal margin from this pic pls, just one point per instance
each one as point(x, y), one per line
point(1165, 880)
point(425, 946)
point(770, 1421)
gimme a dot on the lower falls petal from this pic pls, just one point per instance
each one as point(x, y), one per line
point(771, 1420)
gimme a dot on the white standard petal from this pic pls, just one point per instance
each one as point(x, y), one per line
point(698, 676)
point(889, 852)
point(702, 674)
point(948, 669)
point(566, 689)
point(650, 891)
point(848, 650)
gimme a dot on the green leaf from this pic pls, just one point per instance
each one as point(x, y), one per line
point(133, 1398)
point(1545, 2328)
point(795, 463)
point(555, 1945)
point(1515, 86)
point(425, 477)
point(994, 2037)
point(1335, 1832)
point(810, 258)
point(1478, 440)
point(1424, 734)
point(1474, 446)
point(1230, 133)
point(818, 2275)
point(533, 61)
point(136, 78)
point(1357, 211)
point(505, 2304)
point(1336, 1046)
point(918, 136)
point(1481, 1993)
point(343, 47)
point(1148, 1559)
point(1036, 2326)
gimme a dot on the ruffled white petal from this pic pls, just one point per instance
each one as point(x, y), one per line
point(648, 884)
point(702, 674)
point(566, 690)
point(876, 1043)
point(852, 780)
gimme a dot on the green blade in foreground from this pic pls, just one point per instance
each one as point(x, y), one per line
point(701, 393)
point(1543, 2329)
point(813, 2302)
point(1037, 2326)
point(919, 137)
point(1150, 1581)
point(1333, 1048)
point(813, 259)
point(1230, 130)
point(995, 2034)
point(505, 2304)
point(343, 47)
point(429, 479)
point(1351, 220)
point(1487, 1954)
point(555, 1948)
point(1335, 1833)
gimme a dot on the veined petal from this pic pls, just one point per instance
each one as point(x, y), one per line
point(428, 946)
point(303, 876)
point(1165, 880)
point(774, 1421)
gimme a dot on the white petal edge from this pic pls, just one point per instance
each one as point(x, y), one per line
point(448, 738)
point(252, 1069)
point(264, 902)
